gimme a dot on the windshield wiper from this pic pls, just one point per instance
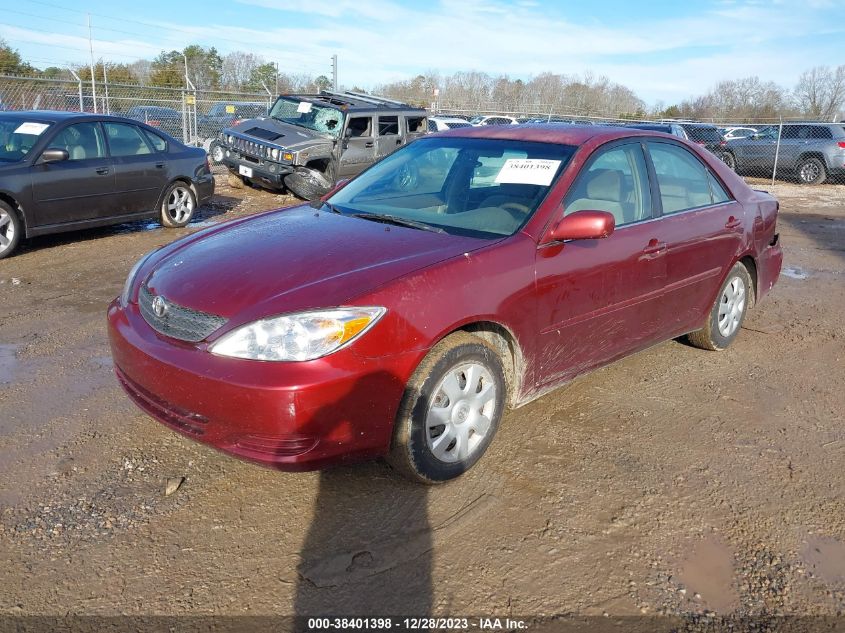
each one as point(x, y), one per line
point(393, 219)
point(319, 204)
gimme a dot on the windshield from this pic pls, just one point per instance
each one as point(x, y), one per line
point(322, 119)
point(17, 136)
point(476, 119)
point(478, 187)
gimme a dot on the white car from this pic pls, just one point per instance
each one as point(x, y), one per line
point(493, 119)
point(440, 123)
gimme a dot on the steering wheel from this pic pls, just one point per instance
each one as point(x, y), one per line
point(516, 208)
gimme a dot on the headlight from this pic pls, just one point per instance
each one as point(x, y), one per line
point(130, 278)
point(274, 154)
point(295, 337)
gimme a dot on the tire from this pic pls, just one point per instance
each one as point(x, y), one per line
point(729, 159)
point(178, 205)
point(235, 181)
point(455, 364)
point(216, 152)
point(811, 171)
point(11, 230)
point(728, 312)
point(309, 184)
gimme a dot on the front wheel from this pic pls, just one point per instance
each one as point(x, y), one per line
point(728, 312)
point(451, 410)
point(216, 152)
point(178, 205)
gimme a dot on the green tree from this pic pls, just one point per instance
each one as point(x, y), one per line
point(205, 67)
point(11, 62)
point(323, 83)
point(263, 74)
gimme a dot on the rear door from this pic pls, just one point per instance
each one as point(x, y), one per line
point(388, 138)
point(140, 171)
point(597, 299)
point(80, 188)
point(703, 230)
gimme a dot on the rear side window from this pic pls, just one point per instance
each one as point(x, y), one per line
point(416, 124)
point(819, 131)
point(125, 140)
point(388, 125)
point(683, 181)
point(717, 190)
point(156, 141)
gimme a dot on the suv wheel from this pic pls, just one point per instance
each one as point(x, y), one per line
point(216, 152)
point(10, 230)
point(811, 171)
point(309, 184)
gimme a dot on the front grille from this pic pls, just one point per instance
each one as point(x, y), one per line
point(250, 148)
point(177, 321)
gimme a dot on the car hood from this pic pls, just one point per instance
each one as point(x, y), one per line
point(269, 130)
point(293, 259)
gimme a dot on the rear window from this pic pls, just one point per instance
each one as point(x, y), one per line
point(703, 134)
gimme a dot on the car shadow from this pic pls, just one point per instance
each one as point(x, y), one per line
point(368, 550)
point(205, 215)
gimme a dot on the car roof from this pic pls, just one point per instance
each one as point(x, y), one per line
point(59, 116)
point(559, 133)
point(354, 101)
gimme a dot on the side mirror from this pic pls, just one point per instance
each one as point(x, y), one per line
point(53, 155)
point(584, 225)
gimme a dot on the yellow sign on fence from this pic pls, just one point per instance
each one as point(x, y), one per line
point(190, 99)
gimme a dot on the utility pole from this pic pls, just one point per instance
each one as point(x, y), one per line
point(91, 49)
point(334, 72)
point(106, 86)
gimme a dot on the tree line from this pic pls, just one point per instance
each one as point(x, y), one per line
point(819, 92)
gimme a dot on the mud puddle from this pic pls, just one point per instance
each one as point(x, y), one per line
point(707, 576)
point(8, 363)
point(825, 558)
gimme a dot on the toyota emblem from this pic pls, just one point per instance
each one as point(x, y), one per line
point(159, 307)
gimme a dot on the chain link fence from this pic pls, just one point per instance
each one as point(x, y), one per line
point(770, 149)
point(194, 116)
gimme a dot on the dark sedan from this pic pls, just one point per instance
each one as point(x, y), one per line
point(61, 171)
point(468, 271)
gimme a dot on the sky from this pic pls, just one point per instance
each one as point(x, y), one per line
point(664, 50)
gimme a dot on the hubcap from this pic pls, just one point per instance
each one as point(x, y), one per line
point(7, 230)
point(731, 306)
point(809, 172)
point(180, 204)
point(217, 154)
point(461, 412)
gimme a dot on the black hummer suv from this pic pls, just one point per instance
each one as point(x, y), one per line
point(310, 141)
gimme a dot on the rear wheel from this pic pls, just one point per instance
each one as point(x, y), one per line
point(178, 206)
point(728, 312)
point(451, 410)
point(811, 171)
point(729, 159)
point(10, 230)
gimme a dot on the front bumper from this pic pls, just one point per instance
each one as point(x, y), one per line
point(265, 171)
point(289, 416)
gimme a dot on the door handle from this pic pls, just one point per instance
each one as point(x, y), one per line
point(159, 165)
point(102, 170)
point(368, 144)
point(653, 249)
point(398, 141)
point(732, 223)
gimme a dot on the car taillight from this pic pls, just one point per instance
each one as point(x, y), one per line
point(236, 121)
point(841, 144)
point(154, 122)
point(207, 165)
point(722, 143)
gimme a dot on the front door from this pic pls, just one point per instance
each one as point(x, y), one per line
point(597, 298)
point(140, 172)
point(79, 188)
point(359, 147)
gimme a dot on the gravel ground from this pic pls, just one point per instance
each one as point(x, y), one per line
point(675, 482)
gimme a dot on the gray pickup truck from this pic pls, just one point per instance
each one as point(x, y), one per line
point(813, 152)
point(308, 142)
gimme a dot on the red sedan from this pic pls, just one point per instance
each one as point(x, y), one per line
point(465, 273)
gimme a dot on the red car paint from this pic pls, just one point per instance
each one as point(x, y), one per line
point(565, 307)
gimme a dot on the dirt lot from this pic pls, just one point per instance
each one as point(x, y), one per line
point(677, 481)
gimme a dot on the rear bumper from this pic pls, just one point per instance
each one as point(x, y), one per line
point(288, 416)
point(768, 267)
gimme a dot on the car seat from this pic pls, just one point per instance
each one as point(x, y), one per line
point(601, 190)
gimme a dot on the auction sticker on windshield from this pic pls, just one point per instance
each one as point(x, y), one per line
point(31, 128)
point(528, 171)
point(304, 107)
